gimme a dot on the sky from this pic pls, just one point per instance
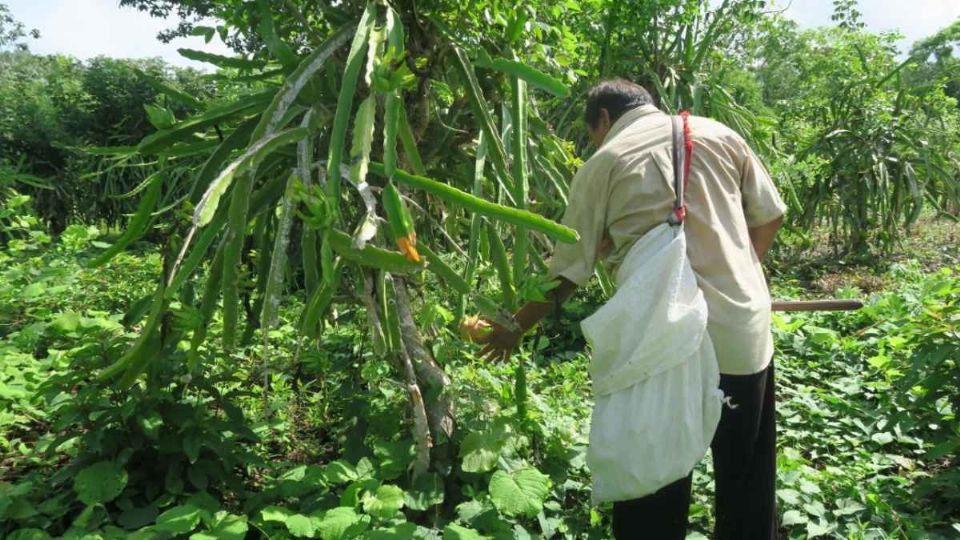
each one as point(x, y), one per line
point(915, 19)
point(87, 28)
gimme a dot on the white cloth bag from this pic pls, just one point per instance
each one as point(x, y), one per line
point(654, 371)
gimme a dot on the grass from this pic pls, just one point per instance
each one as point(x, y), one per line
point(865, 446)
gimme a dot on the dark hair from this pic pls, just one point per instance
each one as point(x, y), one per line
point(617, 96)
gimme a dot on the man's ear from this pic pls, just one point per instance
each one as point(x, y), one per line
point(604, 121)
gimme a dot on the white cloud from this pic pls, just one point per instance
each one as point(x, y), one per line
point(915, 19)
point(88, 28)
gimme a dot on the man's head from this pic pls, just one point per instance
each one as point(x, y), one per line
point(608, 101)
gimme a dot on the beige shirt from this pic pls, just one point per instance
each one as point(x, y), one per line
point(626, 189)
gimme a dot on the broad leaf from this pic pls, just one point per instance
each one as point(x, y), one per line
point(301, 526)
point(225, 527)
point(519, 493)
point(456, 532)
point(385, 503)
point(394, 458)
point(99, 483)
point(179, 519)
point(404, 531)
point(342, 523)
point(340, 472)
point(480, 450)
point(275, 513)
point(427, 491)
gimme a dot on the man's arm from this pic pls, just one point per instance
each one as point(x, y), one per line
point(586, 213)
point(501, 341)
point(762, 237)
point(533, 312)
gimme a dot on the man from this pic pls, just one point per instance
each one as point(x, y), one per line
point(733, 214)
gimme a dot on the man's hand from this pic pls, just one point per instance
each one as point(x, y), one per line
point(500, 342)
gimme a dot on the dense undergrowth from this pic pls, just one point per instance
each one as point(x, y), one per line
point(275, 442)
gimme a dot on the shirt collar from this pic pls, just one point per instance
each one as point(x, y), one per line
point(628, 118)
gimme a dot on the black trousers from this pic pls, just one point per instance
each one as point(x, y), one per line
point(745, 466)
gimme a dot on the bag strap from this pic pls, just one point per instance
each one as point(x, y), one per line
point(682, 156)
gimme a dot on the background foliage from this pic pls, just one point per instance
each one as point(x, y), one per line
point(230, 299)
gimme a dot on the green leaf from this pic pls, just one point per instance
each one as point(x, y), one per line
point(179, 519)
point(363, 128)
point(198, 477)
point(99, 483)
point(456, 532)
point(151, 424)
point(387, 501)
point(793, 517)
point(481, 206)
point(91, 517)
point(519, 493)
point(136, 518)
point(173, 480)
point(29, 534)
point(882, 438)
point(789, 496)
point(220, 60)
point(275, 513)
point(298, 80)
point(348, 89)
point(944, 448)
point(170, 91)
point(19, 508)
point(67, 322)
point(532, 76)
point(846, 507)
point(394, 457)
point(191, 446)
point(277, 47)
point(371, 256)
point(816, 529)
point(137, 224)
point(160, 117)
point(225, 527)
point(204, 501)
point(403, 531)
point(427, 491)
point(342, 523)
point(481, 450)
point(340, 472)
point(482, 112)
point(210, 201)
point(356, 491)
point(301, 526)
point(161, 140)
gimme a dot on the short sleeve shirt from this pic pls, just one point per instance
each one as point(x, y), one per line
point(626, 188)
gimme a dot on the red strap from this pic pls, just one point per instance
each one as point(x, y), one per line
point(688, 144)
point(681, 212)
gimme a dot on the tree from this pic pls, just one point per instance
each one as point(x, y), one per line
point(56, 116)
point(12, 31)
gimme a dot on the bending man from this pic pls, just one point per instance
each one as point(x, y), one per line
point(620, 194)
